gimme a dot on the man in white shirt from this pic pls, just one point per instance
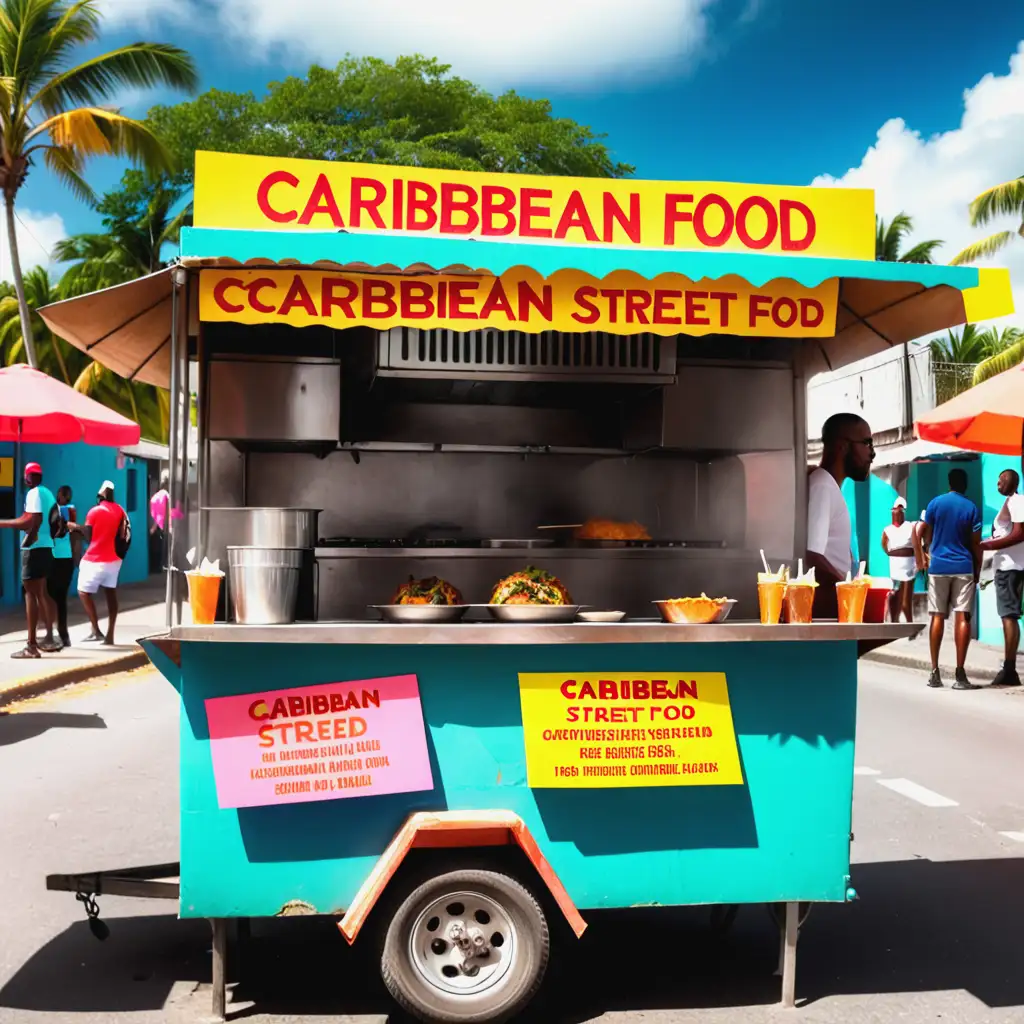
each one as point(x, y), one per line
point(848, 450)
point(1007, 542)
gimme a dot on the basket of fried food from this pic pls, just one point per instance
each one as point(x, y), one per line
point(610, 532)
point(695, 611)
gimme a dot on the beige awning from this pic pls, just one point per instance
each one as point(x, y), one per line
point(126, 328)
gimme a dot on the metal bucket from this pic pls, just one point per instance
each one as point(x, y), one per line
point(264, 584)
point(274, 527)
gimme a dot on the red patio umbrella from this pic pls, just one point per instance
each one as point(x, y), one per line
point(38, 408)
point(986, 418)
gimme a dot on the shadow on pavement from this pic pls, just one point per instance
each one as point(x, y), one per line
point(26, 725)
point(921, 927)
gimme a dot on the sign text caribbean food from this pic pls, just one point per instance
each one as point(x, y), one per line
point(605, 729)
point(274, 193)
point(320, 742)
point(621, 303)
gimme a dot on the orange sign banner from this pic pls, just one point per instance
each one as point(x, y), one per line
point(275, 193)
point(522, 300)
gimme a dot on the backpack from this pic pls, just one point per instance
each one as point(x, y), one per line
point(123, 537)
point(58, 524)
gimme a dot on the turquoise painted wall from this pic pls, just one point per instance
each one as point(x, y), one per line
point(990, 626)
point(83, 468)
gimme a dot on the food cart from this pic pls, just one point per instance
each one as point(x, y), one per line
point(404, 373)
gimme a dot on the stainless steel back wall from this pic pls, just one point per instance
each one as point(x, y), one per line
point(488, 495)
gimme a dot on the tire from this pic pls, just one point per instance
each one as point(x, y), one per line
point(432, 983)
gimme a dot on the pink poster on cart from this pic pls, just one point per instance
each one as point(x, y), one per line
point(322, 742)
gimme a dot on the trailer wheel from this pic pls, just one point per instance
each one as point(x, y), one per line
point(466, 946)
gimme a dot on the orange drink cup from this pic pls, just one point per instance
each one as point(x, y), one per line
point(203, 594)
point(799, 602)
point(770, 595)
point(851, 596)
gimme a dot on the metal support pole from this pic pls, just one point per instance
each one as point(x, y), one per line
point(789, 937)
point(219, 971)
point(173, 434)
point(184, 423)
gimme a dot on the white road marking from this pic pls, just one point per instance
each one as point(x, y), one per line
point(912, 790)
point(863, 770)
point(1017, 837)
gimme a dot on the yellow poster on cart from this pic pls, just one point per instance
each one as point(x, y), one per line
point(597, 730)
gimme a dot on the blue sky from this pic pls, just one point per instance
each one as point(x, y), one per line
point(916, 99)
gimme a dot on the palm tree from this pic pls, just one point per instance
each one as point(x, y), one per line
point(52, 112)
point(889, 241)
point(149, 406)
point(958, 358)
point(56, 357)
point(139, 220)
point(1011, 355)
point(1007, 198)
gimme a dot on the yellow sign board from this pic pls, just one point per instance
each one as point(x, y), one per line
point(522, 300)
point(598, 730)
point(280, 194)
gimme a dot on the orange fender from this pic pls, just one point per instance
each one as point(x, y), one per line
point(452, 829)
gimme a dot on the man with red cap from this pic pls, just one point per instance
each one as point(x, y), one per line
point(36, 558)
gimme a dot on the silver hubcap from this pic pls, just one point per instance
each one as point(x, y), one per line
point(463, 943)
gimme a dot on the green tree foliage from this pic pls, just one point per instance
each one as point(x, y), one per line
point(889, 239)
point(1006, 199)
point(411, 112)
point(52, 109)
point(1010, 356)
point(139, 219)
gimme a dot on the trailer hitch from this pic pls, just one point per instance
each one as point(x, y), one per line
point(99, 928)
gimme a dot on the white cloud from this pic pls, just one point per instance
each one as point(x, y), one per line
point(497, 43)
point(37, 234)
point(934, 179)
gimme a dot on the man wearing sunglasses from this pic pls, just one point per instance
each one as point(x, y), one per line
point(847, 453)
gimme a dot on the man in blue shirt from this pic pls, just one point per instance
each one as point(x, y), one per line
point(952, 536)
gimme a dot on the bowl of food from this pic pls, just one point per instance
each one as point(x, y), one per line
point(695, 611)
point(427, 600)
point(532, 595)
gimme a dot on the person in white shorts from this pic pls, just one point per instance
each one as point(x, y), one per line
point(100, 565)
point(898, 544)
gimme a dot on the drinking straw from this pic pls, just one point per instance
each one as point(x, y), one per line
point(799, 568)
point(764, 562)
point(860, 570)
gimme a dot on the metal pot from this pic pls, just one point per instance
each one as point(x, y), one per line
point(264, 584)
point(275, 527)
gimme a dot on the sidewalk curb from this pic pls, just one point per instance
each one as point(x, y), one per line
point(33, 686)
point(909, 661)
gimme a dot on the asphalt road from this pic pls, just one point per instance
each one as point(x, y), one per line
point(88, 780)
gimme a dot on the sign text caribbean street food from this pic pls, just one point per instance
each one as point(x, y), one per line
point(274, 193)
point(521, 300)
point(595, 730)
point(321, 742)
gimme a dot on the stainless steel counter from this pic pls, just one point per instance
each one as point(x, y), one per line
point(573, 633)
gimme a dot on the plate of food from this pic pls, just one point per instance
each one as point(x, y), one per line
point(427, 600)
point(532, 595)
point(695, 611)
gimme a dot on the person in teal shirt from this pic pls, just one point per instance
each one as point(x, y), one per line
point(36, 559)
point(58, 583)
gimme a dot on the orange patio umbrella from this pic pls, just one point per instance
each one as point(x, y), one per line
point(985, 418)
